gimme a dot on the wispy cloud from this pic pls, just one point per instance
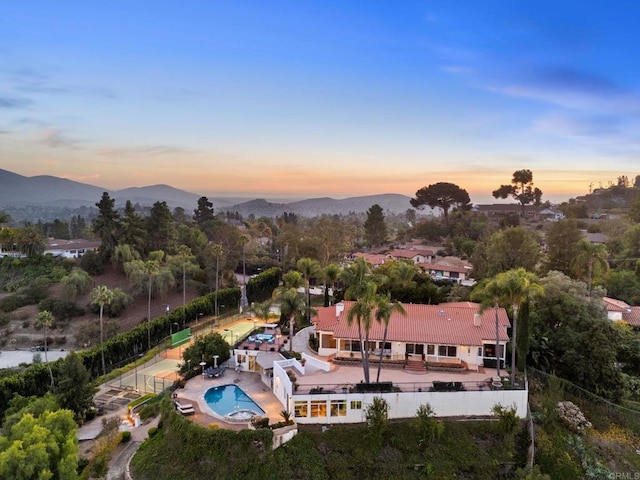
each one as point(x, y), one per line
point(151, 150)
point(54, 138)
point(14, 102)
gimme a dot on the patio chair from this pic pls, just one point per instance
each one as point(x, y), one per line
point(251, 339)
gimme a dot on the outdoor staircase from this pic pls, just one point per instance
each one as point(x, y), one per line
point(415, 366)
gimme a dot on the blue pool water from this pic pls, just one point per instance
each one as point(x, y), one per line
point(230, 399)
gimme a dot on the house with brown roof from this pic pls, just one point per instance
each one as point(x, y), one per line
point(456, 333)
point(500, 209)
point(619, 311)
point(415, 255)
point(374, 259)
point(70, 248)
point(441, 271)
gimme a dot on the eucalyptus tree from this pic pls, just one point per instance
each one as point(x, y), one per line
point(45, 320)
point(217, 250)
point(590, 259)
point(101, 296)
point(384, 310)
point(520, 189)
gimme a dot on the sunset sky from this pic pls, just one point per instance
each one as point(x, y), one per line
point(300, 99)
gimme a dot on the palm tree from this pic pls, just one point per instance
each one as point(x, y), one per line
point(45, 319)
point(515, 287)
point(262, 310)
point(309, 268)
point(102, 296)
point(292, 306)
point(591, 258)
point(384, 309)
point(31, 242)
point(356, 277)
point(362, 313)
point(331, 275)
point(217, 251)
point(489, 294)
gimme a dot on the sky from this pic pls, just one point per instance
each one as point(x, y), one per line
point(304, 99)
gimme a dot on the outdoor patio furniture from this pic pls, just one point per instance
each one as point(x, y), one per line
point(251, 339)
point(271, 340)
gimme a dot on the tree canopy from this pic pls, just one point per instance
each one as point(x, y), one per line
point(521, 189)
point(442, 195)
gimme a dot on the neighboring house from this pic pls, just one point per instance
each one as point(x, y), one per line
point(445, 333)
point(416, 256)
point(441, 271)
point(70, 248)
point(551, 215)
point(374, 259)
point(499, 209)
point(619, 311)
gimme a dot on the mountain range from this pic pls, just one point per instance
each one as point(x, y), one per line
point(44, 191)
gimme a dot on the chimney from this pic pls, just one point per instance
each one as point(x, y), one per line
point(477, 320)
point(339, 308)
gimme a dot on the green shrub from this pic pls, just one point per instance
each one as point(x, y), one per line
point(126, 436)
point(153, 431)
point(61, 309)
point(149, 410)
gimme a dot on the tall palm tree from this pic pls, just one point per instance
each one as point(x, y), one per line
point(292, 306)
point(591, 258)
point(361, 312)
point(31, 243)
point(488, 293)
point(356, 277)
point(309, 268)
point(217, 251)
point(45, 319)
point(331, 275)
point(515, 287)
point(102, 296)
point(384, 309)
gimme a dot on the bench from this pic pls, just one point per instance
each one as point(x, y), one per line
point(186, 411)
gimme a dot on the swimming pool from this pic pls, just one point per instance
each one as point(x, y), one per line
point(231, 402)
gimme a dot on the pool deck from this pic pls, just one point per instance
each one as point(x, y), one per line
point(249, 382)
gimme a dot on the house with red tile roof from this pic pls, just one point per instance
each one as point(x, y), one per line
point(374, 259)
point(619, 311)
point(446, 333)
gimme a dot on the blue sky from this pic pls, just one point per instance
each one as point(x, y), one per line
point(305, 99)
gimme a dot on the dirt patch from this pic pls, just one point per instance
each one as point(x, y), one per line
point(21, 332)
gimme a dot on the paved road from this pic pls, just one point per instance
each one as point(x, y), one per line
point(13, 358)
point(301, 340)
point(120, 461)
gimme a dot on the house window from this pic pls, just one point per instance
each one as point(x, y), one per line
point(352, 345)
point(415, 348)
point(318, 408)
point(356, 405)
point(447, 350)
point(241, 359)
point(338, 408)
point(431, 349)
point(490, 350)
point(301, 408)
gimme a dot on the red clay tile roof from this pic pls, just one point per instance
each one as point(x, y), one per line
point(372, 258)
point(444, 324)
point(632, 317)
point(613, 305)
point(410, 253)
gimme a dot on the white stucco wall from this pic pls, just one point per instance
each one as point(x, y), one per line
point(404, 405)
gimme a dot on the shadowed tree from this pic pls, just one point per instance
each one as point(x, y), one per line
point(442, 195)
point(101, 296)
point(244, 303)
point(375, 229)
point(384, 309)
point(521, 189)
point(45, 320)
point(292, 307)
point(106, 226)
point(204, 212)
point(591, 259)
point(132, 228)
point(361, 312)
